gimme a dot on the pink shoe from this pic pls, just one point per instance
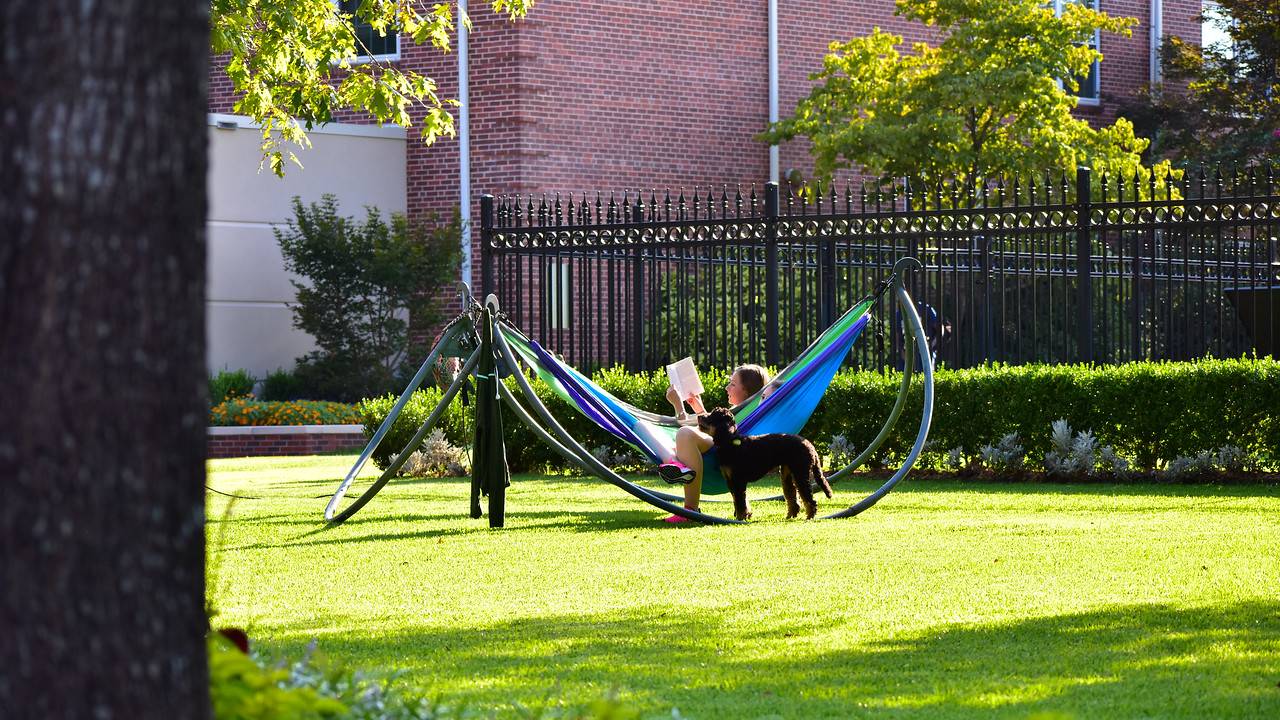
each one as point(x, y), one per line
point(677, 519)
point(675, 473)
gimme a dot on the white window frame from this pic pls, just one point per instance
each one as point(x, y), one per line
point(1097, 64)
point(366, 59)
point(557, 287)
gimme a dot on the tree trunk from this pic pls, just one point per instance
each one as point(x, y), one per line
point(102, 380)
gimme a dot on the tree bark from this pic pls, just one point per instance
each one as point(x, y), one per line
point(102, 380)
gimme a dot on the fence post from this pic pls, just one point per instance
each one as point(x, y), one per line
point(771, 272)
point(637, 282)
point(1084, 267)
point(827, 283)
point(486, 250)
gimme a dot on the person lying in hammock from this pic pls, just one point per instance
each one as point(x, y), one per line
point(686, 467)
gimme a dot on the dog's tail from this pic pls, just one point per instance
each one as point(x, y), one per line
point(822, 483)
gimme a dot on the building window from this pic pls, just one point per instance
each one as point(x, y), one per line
point(1089, 88)
point(369, 44)
point(1215, 26)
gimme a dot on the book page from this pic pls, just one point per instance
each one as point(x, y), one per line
point(684, 378)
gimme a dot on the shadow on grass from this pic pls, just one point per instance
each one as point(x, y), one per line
point(594, 521)
point(1127, 661)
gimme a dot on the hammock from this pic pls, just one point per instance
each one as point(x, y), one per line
point(794, 396)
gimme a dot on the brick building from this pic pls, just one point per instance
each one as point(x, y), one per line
point(580, 95)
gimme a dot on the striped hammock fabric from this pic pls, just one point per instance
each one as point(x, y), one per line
point(795, 394)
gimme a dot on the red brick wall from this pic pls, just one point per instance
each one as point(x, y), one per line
point(595, 94)
point(226, 446)
point(589, 94)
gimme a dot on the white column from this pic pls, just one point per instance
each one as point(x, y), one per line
point(464, 141)
point(773, 85)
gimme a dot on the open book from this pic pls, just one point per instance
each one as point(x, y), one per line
point(684, 378)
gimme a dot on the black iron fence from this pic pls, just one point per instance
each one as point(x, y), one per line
point(1048, 269)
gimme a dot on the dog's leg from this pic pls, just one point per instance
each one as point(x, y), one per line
point(741, 509)
point(789, 491)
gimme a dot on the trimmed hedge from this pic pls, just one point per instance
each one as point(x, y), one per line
point(1150, 412)
point(297, 412)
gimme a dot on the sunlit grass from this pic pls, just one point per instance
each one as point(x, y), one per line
point(946, 600)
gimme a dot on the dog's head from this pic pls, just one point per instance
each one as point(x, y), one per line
point(720, 425)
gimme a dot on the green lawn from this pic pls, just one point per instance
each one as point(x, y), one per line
point(946, 600)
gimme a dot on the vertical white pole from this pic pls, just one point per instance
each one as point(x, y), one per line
point(1157, 37)
point(464, 141)
point(773, 85)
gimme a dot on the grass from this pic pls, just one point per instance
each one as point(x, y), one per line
point(946, 600)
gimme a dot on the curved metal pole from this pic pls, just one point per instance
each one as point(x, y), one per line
point(926, 362)
point(908, 368)
point(452, 329)
point(403, 457)
point(896, 413)
point(597, 467)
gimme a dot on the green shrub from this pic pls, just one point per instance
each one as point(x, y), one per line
point(254, 687)
point(283, 385)
point(300, 412)
point(1149, 412)
point(372, 411)
point(240, 688)
point(359, 279)
point(230, 384)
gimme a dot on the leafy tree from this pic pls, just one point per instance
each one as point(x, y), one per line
point(289, 63)
point(360, 278)
point(1230, 109)
point(994, 97)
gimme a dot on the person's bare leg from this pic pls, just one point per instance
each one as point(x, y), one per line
point(690, 444)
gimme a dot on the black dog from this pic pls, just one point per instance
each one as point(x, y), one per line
point(746, 459)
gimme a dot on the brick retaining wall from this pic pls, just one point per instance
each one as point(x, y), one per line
point(226, 442)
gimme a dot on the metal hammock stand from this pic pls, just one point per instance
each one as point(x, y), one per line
point(461, 335)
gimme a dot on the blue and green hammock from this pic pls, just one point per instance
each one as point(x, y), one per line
point(790, 401)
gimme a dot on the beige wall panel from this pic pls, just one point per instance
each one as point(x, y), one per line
point(249, 325)
point(245, 264)
point(256, 337)
point(359, 170)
